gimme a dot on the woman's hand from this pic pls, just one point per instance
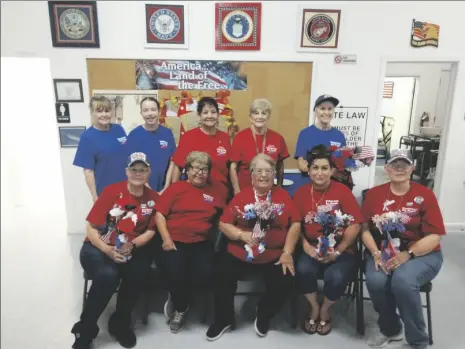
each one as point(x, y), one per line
point(126, 249)
point(287, 263)
point(246, 237)
point(328, 258)
point(168, 245)
point(115, 256)
point(310, 250)
point(396, 261)
point(379, 262)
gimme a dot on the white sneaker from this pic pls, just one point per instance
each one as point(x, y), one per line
point(168, 309)
point(380, 340)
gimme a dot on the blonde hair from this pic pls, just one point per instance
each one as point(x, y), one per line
point(260, 104)
point(99, 103)
point(200, 157)
point(262, 157)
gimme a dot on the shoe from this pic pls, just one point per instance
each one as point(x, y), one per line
point(177, 321)
point(262, 325)
point(168, 309)
point(122, 331)
point(380, 340)
point(215, 331)
point(84, 337)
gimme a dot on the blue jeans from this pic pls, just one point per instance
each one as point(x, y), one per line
point(336, 275)
point(402, 290)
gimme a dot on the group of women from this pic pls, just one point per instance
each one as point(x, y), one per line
point(142, 207)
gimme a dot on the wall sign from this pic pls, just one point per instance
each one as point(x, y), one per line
point(319, 29)
point(352, 122)
point(166, 26)
point(424, 34)
point(345, 59)
point(62, 112)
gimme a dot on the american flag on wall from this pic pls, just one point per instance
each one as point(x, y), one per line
point(190, 75)
point(388, 90)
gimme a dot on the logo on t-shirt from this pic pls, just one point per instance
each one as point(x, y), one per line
point(207, 198)
point(151, 203)
point(332, 203)
point(221, 151)
point(337, 144)
point(271, 149)
point(163, 144)
point(122, 140)
point(409, 210)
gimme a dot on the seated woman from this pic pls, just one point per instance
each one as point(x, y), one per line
point(120, 224)
point(331, 220)
point(403, 258)
point(186, 213)
point(263, 226)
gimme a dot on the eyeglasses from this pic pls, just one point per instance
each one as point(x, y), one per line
point(260, 171)
point(196, 169)
point(399, 165)
point(138, 170)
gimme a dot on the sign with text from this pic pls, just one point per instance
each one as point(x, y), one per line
point(190, 75)
point(62, 112)
point(352, 122)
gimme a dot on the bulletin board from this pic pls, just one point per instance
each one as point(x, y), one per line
point(287, 85)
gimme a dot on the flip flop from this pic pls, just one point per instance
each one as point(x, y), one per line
point(322, 325)
point(310, 326)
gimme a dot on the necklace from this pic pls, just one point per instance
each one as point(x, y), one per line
point(322, 196)
point(268, 196)
point(255, 140)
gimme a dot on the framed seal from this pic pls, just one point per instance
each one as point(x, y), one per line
point(166, 26)
point(319, 29)
point(237, 26)
point(74, 23)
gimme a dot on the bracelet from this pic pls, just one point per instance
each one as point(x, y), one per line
point(376, 253)
point(337, 253)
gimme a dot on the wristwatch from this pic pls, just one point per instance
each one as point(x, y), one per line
point(411, 254)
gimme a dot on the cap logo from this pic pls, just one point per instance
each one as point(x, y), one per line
point(138, 157)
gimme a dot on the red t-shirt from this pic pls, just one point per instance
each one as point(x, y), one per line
point(337, 195)
point(419, 203)
point(244, 149)
point(217, 146)
point(276, 235)
point(190, 211)
point(111, 209)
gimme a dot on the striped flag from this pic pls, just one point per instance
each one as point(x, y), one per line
point(418, 31)
point(388, 90)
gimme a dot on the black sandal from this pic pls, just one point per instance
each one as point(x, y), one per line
point(322, 325)
point(310, 326)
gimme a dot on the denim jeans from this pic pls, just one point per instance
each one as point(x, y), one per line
point(191, 264)
point(401, 290)
point(336, 275)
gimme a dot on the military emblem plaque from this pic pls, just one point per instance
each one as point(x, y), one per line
point(320, 28)
point(74, 23)
point(166, 26)
point(237, 26)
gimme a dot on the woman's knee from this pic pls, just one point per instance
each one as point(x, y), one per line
point(375, 280)
point(107, 276)
point(306, 267)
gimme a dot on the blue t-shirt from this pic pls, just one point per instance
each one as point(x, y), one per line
point(103, 152)
point(159, 146)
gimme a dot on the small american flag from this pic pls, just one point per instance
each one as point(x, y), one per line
point(418, 30)
point(388, 89)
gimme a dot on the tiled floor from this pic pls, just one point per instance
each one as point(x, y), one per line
point(42, 297)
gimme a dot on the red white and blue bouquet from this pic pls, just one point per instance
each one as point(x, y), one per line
point(390, 224)
point(262, 214)
point(333, 224)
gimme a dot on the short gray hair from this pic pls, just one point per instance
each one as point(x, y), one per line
point(262, 157)
point(200, 157)
point(260, 104)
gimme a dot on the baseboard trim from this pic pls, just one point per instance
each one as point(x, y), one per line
point(455, 227)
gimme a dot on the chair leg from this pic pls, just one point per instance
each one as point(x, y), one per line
point(294, 308)
point(428, 313)
point(84, 298)
point(359, 305)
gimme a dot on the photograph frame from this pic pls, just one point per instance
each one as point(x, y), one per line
point(62, 129)
point(184, 25)
point(56, 83)
point(333, 45)
point(57, 32)
point(222, 43)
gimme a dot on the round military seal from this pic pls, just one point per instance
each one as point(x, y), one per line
point(237, 26)
point(320, 29)
point(164, 24)
point(74, 23)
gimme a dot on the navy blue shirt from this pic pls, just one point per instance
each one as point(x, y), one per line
point(159, 146)
point(103, 152)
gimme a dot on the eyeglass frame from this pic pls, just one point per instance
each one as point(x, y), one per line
point(204, 170)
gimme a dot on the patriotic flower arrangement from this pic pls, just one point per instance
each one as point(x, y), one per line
point(332, 222)
point(390, 225)
point(352, 158)
point(261, 214)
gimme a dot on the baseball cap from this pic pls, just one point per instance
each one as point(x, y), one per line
point(400, 154)
point(326, 98)
point(138, 157)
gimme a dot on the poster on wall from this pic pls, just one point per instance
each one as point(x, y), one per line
point(238, 26)
point(424, 34)
point(190, 75)
point(166, 26)
point(69, 136)
point(351, 121)
point(126, 106)
point(319, 29)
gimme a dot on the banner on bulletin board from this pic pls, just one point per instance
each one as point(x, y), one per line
point(190, 75)
point(351, 121)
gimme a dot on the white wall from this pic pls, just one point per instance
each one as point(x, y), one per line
point(374, 31)
point(429, 76)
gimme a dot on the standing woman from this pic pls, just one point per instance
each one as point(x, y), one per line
point(254, 140)
point(156, 141)
point(319, 133)
point(100, 152)
point(205, 138)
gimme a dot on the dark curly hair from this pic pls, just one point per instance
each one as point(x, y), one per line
point(320, 151)
point(207, 101)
